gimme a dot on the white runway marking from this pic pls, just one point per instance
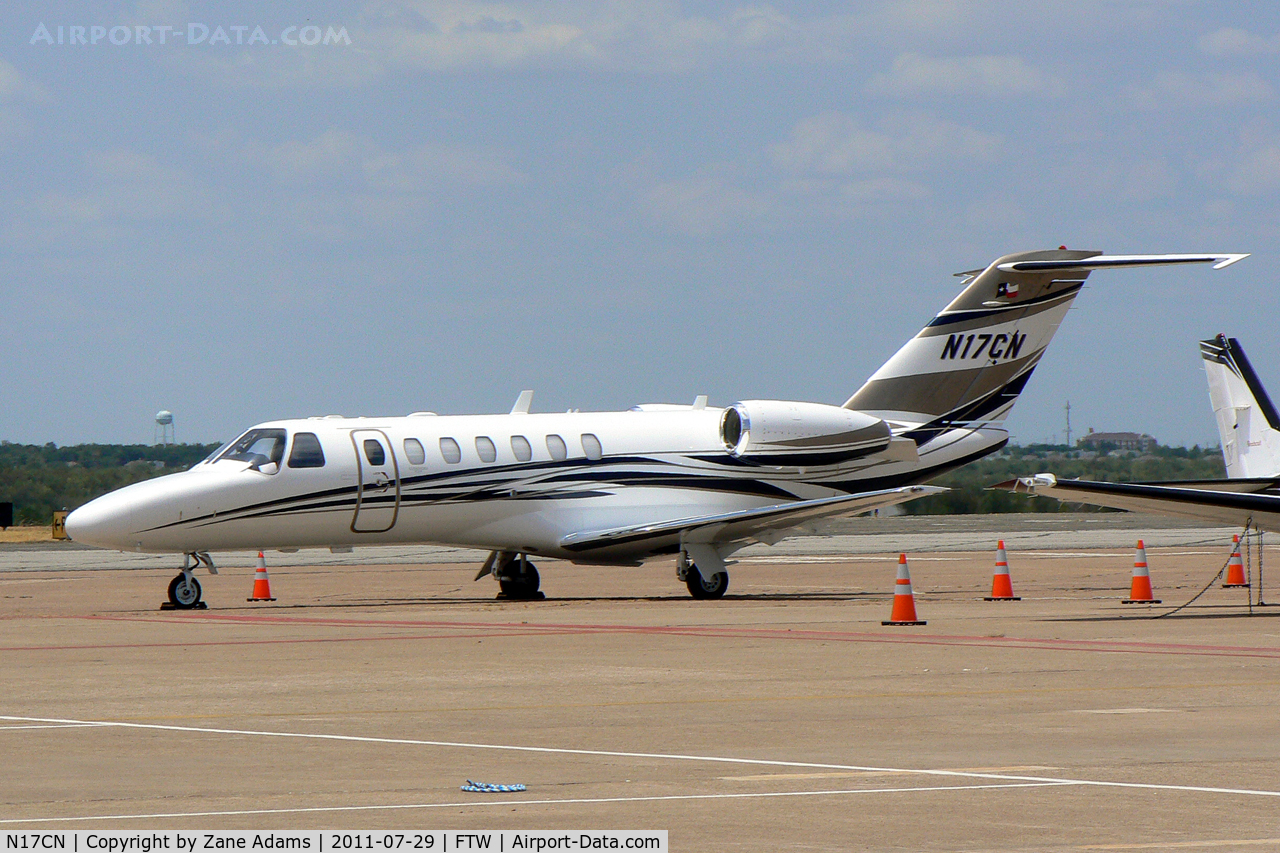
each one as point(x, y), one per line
point(1187, 845)
point(659, 756)
point(571, 801)
point(1126, 711)
point(52, 726)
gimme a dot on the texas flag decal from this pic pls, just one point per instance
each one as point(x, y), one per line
point(1007, 289)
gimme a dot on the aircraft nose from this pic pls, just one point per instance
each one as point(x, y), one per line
point(104, 522)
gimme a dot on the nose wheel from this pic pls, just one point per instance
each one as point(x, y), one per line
point(185, 592)
point(184, 589)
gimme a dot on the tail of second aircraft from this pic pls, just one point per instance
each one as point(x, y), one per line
point(1247, 421)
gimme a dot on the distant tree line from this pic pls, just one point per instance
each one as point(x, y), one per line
point(39, 479)
point(970, 490)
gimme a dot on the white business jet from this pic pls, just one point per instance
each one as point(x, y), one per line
point(620, 488)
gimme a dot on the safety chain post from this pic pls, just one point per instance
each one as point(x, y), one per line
point(1248, 563)
point(1261, 603)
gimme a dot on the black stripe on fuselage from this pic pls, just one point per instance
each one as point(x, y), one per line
point(920, 475)
point(445, 488)
point(345, 497)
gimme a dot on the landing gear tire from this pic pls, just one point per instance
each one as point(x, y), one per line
point(520, 585)
point(707, 588)
point(184, 592)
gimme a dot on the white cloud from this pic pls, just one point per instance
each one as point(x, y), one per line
point(14, 86)
point(837, 144)
point(341, 157)
point(924, 15)
point(830, 166)
point(1209, 88)
point(454, 35)
point(618, 36)
point(705, 203)
point(833, 143)
point(1233, 42)
point(480, 35)
point(915, 74)
point(129, 186)
point(1257, 170)
point(17, 94)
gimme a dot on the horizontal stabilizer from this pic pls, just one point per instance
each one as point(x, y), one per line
point(1233, 502)
point(1102, 262)
point(745, 525)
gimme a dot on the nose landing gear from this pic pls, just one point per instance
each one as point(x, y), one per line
point(184, 590)
point(518, 579)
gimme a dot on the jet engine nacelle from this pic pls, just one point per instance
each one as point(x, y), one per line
point(780, 432)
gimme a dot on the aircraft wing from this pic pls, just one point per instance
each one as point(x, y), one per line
point(1232, 502)
point(767, 524)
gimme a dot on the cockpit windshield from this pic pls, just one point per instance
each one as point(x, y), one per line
point(215, 454)
point(257, 447)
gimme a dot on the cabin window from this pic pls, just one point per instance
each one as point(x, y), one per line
point(306, 452)
point(374, 453)
point(450, 450)
point(556, 447)
point(413, 451)
point(591, 446)
point(257, 447)
point(485, 448)
point(521, 448)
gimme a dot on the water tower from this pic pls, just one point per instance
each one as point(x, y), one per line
point(164, 431)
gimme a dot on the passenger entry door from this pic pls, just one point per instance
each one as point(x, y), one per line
point(377, 482)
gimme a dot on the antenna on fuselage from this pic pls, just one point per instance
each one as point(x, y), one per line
point(522, 403)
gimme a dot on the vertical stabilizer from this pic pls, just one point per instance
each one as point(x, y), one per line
point(967, 367)
point(1247, 421)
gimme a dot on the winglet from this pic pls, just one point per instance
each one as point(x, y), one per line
point(523, 402)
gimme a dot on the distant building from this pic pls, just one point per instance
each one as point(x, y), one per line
point(1119, 440)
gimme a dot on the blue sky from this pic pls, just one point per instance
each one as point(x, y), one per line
point(613, 203)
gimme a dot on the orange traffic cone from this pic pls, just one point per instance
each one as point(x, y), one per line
point(1140, 589)
point(1235, 567)
point(261, 584)
point(1001, 585)
point(904, 602)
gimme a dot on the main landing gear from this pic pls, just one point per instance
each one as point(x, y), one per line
point(712, 585)
point(518, 579)
point(706, 588)
point(184, 590)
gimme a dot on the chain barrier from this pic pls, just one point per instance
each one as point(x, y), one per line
point(1244, 534)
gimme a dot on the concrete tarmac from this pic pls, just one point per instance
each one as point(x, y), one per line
point(784, 716)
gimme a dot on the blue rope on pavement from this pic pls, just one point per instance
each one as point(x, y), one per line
point(490, 788)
